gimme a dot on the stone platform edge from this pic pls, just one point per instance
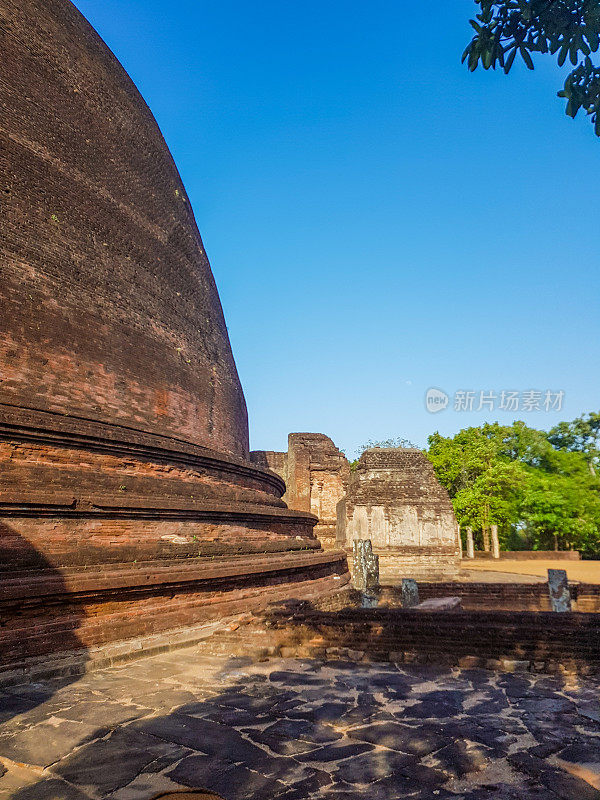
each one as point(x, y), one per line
point(74, 663)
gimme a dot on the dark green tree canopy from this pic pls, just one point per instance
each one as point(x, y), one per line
point(580, 436)
point(565, 28)
point(539, 487)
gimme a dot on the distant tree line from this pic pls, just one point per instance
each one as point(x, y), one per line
point(540, 488)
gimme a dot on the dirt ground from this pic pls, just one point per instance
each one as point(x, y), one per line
point(584, 571)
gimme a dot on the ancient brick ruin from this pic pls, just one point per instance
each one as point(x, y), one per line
point(395, 500)
point(392, 498)
point(316, 475)
point(128, 505)
point(134, 520)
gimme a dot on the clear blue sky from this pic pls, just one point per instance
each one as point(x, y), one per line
point(378, 220)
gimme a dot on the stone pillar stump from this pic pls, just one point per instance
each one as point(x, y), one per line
point(365, 571)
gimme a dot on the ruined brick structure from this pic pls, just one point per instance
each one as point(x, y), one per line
point(395, 499)
point(128, 503)
point(316, 475)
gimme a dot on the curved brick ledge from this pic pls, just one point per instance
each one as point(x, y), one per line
point(50, 614)
point(82, 493)
point(49, 504)
point(44, 427)
point(153, 574)
point(110, 535)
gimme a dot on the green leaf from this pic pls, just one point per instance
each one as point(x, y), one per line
point(563, 54)
point(565, 28)
point(526, 57)
point(593, 38)
point(509, 60)
point(573, 54)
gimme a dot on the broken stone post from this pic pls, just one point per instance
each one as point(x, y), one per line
point(410, 593)
point(495, 542)
point(365, 565)
point(460, 547)
point(558, 588)
point(470, 545)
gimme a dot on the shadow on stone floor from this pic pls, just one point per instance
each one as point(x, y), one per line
point(22, 637)
point(298, 729)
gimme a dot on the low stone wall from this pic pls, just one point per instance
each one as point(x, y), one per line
point(524, 640)
point(531, 555)
point(498, 596)
point(478, 596)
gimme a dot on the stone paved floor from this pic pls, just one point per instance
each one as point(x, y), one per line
point(300, 729)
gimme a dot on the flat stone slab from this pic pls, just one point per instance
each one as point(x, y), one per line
point(52, 789)
point(294, 729)
point(115, 761)
point(238, 782)
point(46, 742)
point(440, 604)
point(403, 738)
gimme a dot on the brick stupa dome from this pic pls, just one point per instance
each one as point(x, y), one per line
point(123, 425)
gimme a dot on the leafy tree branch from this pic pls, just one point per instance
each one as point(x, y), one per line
point(564, 28)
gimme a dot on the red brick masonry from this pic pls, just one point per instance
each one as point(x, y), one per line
point(128, 504)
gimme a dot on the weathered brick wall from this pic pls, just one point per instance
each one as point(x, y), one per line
point(108, 308)
point(316, 475)
point(588, 597)
point(123, 426)
point(479, 596)
point(433, 563)
point(271, 459)
point(395, 500)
